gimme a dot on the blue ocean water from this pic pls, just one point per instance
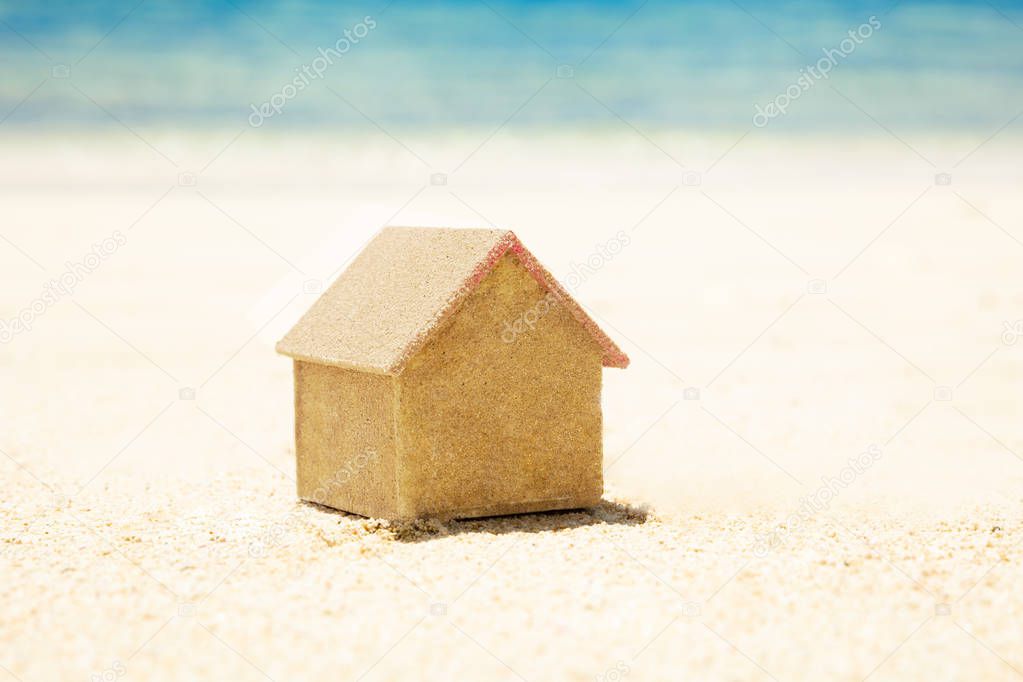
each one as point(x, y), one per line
point(453, 64)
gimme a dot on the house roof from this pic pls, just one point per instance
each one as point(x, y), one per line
point(403, 285)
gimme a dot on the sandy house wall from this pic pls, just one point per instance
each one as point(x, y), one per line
point(345, 439)
point(491, 421)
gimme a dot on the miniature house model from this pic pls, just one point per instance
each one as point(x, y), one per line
point(447, 374)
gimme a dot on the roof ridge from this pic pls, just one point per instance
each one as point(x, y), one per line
point(469, 284)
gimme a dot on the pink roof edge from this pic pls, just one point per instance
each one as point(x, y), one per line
point(613, 355)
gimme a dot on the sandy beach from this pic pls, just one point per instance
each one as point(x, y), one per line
point(813, 464)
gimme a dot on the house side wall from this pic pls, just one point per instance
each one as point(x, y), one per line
point(345, 440)
point(500, 410)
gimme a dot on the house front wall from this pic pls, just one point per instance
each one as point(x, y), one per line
point(500, 411)
point(345, 439)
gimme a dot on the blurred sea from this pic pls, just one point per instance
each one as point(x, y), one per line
point(450, 65)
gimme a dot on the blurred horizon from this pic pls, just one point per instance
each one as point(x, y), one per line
point(943, 67)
